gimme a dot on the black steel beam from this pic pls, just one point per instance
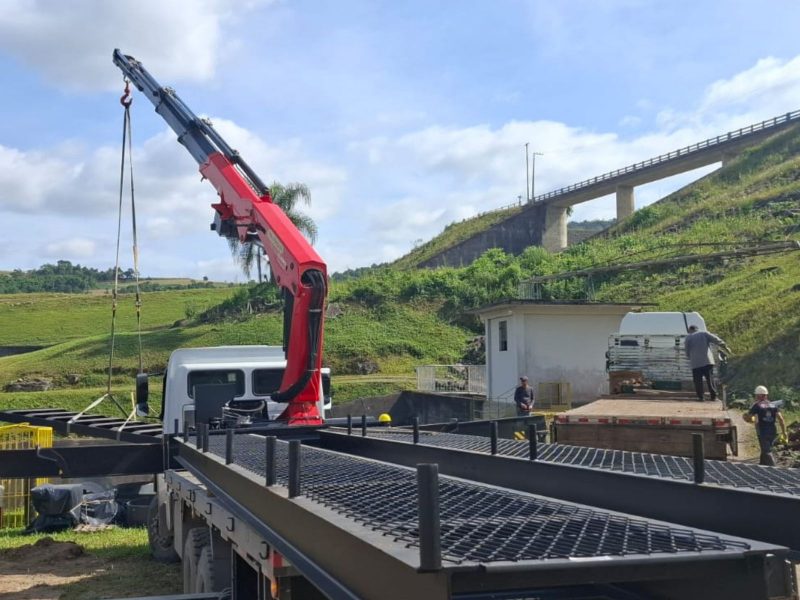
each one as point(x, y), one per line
point(325, 547)
point(93, 427)
point(93, 460)
point(377, 558)
point(721, 509)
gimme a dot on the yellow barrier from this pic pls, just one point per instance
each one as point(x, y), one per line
point(15, 494)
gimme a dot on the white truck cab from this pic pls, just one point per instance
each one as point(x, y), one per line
point(251, 373)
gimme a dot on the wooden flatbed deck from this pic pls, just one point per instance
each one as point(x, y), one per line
point(649, 421)
point(642, 405)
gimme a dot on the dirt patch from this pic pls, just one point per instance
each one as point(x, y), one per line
point(45, 550)
point(42, 571)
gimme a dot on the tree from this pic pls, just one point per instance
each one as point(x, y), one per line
point(287, 197)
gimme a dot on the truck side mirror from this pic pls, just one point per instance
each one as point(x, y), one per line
point(142, 394)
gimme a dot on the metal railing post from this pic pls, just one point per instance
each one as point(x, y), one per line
point(533, 446)
point(271, 446)
point(294, 468)
point(698, 456)
point(228, 446)
point(430, 543)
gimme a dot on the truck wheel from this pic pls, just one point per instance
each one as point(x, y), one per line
point(204, 580)
point(161, 544)
point(196, 539)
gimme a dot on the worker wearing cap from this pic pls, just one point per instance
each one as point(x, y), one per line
point(523, 397)
point(698, 350)
point(765, 413)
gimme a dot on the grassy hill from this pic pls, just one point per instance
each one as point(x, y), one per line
point(393, 318)
point(395, 340)
point(44, 319)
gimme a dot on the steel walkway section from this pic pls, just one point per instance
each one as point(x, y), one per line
point(768, 479)
point(492, 539)
point(654, 486)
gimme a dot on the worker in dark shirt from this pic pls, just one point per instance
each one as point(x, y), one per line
point(766, 414)
point(523, 397)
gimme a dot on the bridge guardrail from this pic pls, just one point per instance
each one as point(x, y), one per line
point(731, 135)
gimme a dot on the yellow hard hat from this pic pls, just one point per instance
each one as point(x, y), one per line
point(384, 419)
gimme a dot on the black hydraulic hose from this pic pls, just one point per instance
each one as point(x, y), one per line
point(315, 280)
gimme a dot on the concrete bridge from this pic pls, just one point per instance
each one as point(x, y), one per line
point(623, 181)
point(543, 221)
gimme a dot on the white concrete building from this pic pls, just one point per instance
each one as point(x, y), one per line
point(549, 342)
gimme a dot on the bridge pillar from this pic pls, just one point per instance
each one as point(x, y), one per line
point(625, 204)
point(554, 237)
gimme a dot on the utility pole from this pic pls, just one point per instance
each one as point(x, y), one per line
point(527, 175)
point(533, 173)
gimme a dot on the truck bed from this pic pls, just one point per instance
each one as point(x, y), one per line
point(649, 421)
point(651, 405)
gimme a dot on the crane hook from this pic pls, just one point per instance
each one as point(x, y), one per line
point(126, 98)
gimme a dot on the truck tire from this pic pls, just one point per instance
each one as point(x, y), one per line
point(205, 578)
point(196, 539)
point(161, 544)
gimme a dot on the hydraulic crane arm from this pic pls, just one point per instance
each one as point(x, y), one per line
point(245, 211)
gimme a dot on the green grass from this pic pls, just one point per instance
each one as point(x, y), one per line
point(76, 400)
point(452, 235)
point(44, 319)
point(123, 567)
point(351, 387)
point(397, 338)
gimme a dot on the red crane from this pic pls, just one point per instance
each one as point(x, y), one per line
point(246, 211)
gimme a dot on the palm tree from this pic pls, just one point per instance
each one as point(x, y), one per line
point(287, 197)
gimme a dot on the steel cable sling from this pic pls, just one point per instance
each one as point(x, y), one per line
point(125, 100)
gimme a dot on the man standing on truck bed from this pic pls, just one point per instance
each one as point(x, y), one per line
point(765, 414)
point(523, 397)
point(698, 351)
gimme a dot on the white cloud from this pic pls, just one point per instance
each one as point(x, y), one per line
point(447, 173)
point(72, 188)
point(71, 42)
point(72, 249)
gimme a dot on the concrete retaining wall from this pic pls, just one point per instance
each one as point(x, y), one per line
point(402, 407)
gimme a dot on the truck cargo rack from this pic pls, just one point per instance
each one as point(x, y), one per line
point(651, 485)
point(361, 519)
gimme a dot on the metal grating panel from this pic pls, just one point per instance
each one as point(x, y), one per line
point(478, 523)
point(769, 479)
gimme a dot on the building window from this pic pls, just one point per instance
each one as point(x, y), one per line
point(503, 325)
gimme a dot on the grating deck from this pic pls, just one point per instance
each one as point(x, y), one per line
point(769, 479)
point(478, 523)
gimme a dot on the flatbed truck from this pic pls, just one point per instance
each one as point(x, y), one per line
point(651, 405)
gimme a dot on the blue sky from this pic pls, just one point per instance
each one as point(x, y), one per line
point(401, 117)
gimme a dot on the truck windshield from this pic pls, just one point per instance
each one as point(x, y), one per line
point(217, 376)
point(266, 381)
